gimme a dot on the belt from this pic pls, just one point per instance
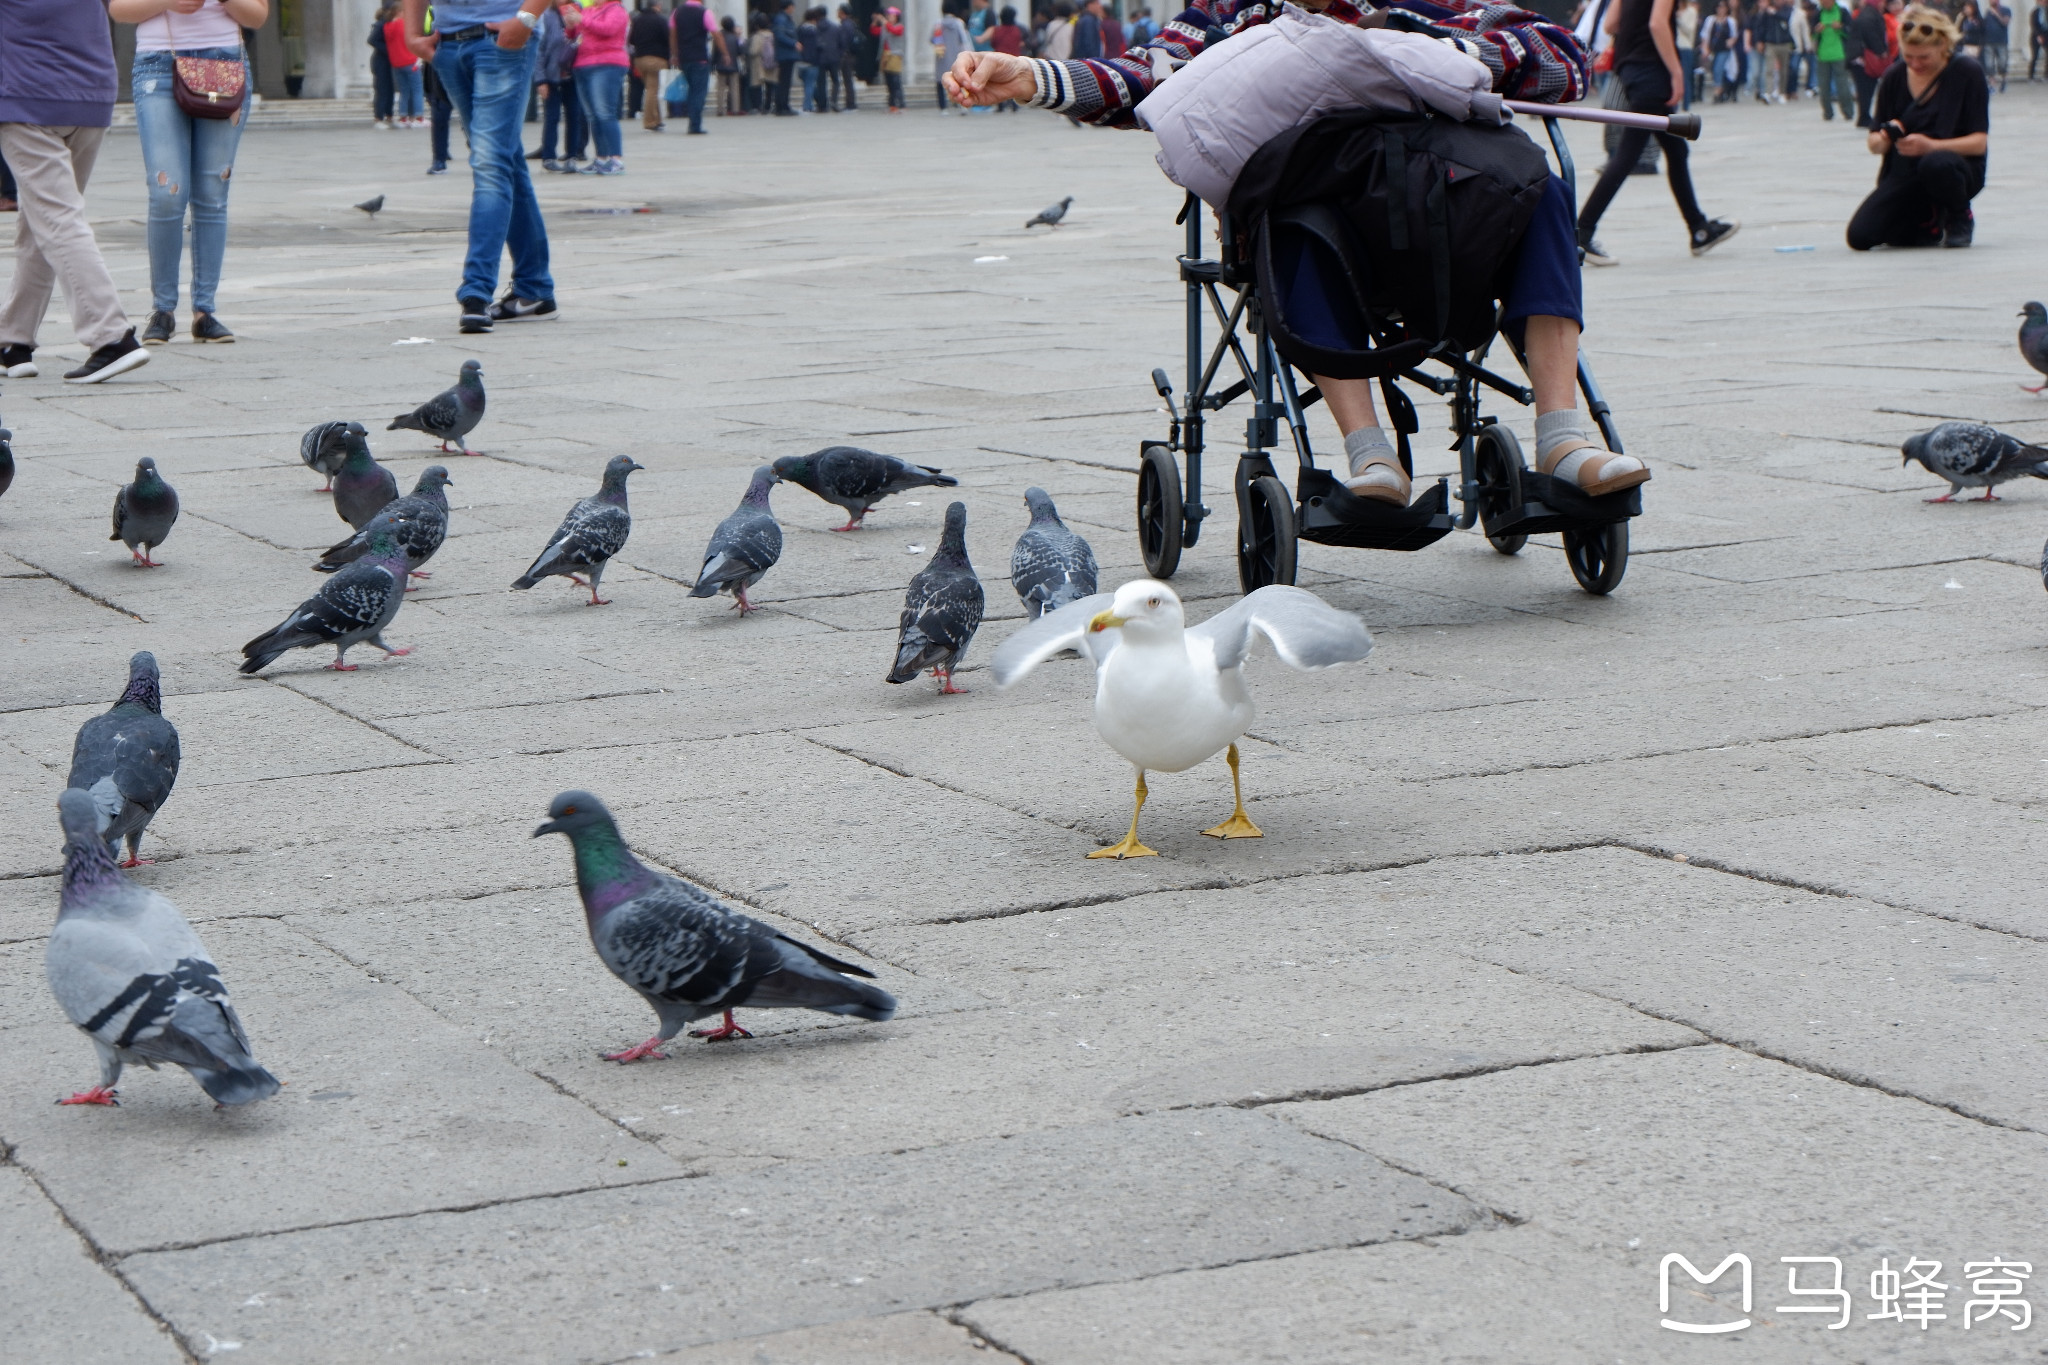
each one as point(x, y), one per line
point(466, 35)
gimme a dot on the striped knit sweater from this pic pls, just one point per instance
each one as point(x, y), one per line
point(1530, 57)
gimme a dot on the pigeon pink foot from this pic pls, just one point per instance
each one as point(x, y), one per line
point(1945, 497)
point(1989, 496)
point(99, 1094)
point(339, 667)
point(136, 862)
point(946, 688)
point(649, 1049)
point(853, 524)
point(2036, 388)
point(726, 1030)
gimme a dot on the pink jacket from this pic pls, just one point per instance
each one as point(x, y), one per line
point(603, 35)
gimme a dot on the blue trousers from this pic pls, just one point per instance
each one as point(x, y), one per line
point(489, 86)
point(599, 89)
point(696, 83)
point(189, 161)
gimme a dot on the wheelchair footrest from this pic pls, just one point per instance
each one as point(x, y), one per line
point(1557, 505)
point(1332, 514)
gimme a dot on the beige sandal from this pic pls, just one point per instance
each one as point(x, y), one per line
point(1596, 474)
point(1370, 480)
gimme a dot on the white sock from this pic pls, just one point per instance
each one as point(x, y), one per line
point(1554, 429)
point(1365, 443)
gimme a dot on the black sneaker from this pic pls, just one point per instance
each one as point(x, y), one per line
point(512, 308)
point(476, 315)
point(207, 327)
point(163, 325)
point(1959, 228)
point(1596, 254)
point(19, 362)
point(1711, 234)
point(116, 357)
point(438, 168)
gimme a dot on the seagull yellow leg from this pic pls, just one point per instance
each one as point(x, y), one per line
point(1130, 847)
point(1239, 825)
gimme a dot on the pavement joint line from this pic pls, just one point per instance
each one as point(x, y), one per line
point(1060, 459)
point(957, 1315)
point(359, 720)
point(84, 592)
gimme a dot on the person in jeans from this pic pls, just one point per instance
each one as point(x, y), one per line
point(479, 50)
point(600, 34)
point(785, 55)
point(1933, 129)
point(1828, 51)
point(187, 160)
point(694, 40)
point(439, 110)
point(406, 79)
point(831, 57)
point(383, 89)
point(1646, 64)
point(647, 46)
point(554, 79)
point(57, 84)
point(807, 59)
point(887, 31)
point(1997, 40)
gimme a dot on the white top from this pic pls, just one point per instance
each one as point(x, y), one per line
point(211, 27)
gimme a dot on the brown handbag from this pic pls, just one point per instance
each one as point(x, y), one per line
point(208, 87)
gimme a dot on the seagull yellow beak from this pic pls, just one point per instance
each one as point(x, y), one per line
point(1103, 620)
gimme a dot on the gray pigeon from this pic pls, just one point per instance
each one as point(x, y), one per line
point(129, 971)
point(1972, 455)
point(1051, 566)
point(322, 450)
point(450, 414)
point(941, 611)
point(594, 531)
point(689, 954)
point(419, 521)
point(144, 512)
point(371, 206)
point(6, 460)
point(352, 607)
point(127, 759)
point(361, 486)
point(857, 479)
point(744, 547)
point(2034, 342)
point(1051, 216)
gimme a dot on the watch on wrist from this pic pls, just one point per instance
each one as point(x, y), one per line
point(527, 18)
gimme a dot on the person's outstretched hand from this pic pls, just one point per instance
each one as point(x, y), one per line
point(984, 78)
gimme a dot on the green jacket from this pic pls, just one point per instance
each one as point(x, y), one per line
point(1827, 33)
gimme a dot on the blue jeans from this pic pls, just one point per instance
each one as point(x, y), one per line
point(412, 90)
point(696, 81)
point(489, 86)
point(807, 72)
point(599, 89)
point(561, 107)
point(188, 161)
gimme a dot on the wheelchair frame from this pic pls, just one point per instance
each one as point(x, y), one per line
point(1498, 490)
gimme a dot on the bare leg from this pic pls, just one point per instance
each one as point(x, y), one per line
point(1550, 350)
point(1349, 402)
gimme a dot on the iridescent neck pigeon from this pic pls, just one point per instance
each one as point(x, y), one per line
point(941, 611)
point(128, 970)
point(2034, 342)
point(450, 414)
point(1972, 455)
point(744, 547)
point(418, 521)
point(689, 954)
point(126, 759)
point(594, 531)
point(1051, 566)
point(857, 479)
point(322, 450)
point(352, 607)
point(361, 486)
point(144, 512)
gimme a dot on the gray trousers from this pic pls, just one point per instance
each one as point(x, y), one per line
point(53, 241)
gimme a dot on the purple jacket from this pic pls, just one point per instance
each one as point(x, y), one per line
point(56, 64)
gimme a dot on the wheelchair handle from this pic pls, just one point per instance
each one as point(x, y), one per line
point(1686, 125)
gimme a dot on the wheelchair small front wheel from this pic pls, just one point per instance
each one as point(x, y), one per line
point(1266, 543)
point(1498, 464)
point(1159, 510)
point(1598, 556)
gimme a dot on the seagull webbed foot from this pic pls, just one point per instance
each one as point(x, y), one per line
point(1127, 847)
point(1238, 826)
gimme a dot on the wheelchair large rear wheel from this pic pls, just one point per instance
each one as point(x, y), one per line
point(1598, 556)
point(1159, 510)
point(1497, 461)
point(1266, 543)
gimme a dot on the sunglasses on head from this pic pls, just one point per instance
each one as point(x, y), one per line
point(1923, 28)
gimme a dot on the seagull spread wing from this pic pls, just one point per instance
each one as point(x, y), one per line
point(1306, 631)
point(1066, 628)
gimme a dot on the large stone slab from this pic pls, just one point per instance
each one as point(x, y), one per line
point(56, 1302)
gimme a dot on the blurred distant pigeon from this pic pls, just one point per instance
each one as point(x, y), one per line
point(322, 449)
point(419, 521)
point(126, 759)
point(689, 954)
point(1051, 216)
point(744, 547)
point(450, 414)
point(370, 206)
point(941, 611)
point(2034, 341)
point(1051, 566)
point(361, 486)
point(594, 531)
point(352, 607)
point(144, 512)
point(1972, 455)
point(128, 970)
point(6, 460)
point(857, 479)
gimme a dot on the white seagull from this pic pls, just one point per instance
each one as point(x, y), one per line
point(1168, 696)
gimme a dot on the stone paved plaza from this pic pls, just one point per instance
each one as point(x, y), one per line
point(1705, 918)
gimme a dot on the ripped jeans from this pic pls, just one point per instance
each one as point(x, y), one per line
point(188, 161)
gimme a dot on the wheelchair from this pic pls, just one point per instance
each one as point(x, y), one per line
point(1497, 489)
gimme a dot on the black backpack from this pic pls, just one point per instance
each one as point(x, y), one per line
point(1406, 222)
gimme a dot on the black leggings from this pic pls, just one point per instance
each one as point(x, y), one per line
point(1649, 92)
point(1913, 199)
